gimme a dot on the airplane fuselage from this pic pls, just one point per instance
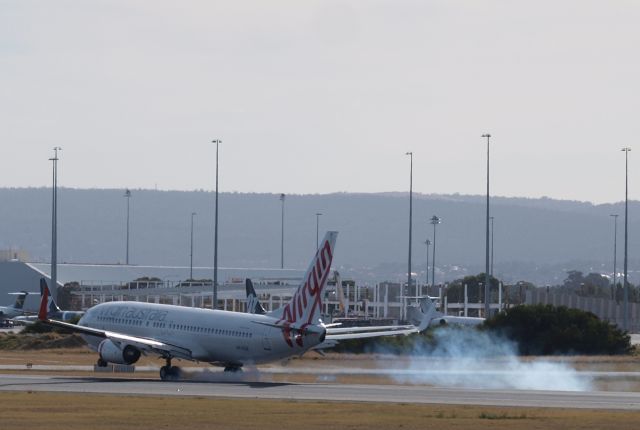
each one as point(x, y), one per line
point(8, 312)
point(212, 336)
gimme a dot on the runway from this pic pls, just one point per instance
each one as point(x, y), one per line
point(322, 392)
point(329, 372)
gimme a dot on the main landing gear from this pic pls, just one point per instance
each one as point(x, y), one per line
point(233, 369)
point(169, 372)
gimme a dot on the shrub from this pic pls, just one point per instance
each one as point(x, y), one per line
point(547, 330)
point(39, 327)
point(23, 341)
point(409, 344)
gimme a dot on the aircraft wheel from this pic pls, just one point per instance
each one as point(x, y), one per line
point(233, 369)
point(165, 373)
point(175, 372)
point(101, 363)
point(170, 373)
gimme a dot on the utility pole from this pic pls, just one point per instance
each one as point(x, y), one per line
point(410, 154)
point(282, 196)
point(491, 218)
point(127, 195)
point(54, 223)
point(428, 243)
point(435, 221)
point(615, 252)
point(625, 311)
point(318, 214)
point(214, 305)
point(487, 294)
point(191, 253)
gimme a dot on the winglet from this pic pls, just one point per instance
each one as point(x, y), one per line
point(42, 314)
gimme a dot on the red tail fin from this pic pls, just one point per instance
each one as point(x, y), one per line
point(305, 306)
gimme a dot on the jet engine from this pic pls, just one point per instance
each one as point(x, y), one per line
point(323, 335)
point(112, 353)
point(312, 330)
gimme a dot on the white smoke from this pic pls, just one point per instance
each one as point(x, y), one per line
point(464, 357)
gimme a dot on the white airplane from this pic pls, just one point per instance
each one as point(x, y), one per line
point(54, 312)
point(121, 331)
point(12, 311)
point(426, 315)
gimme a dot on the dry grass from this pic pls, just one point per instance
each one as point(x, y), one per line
point(67, 356)
point(104, 412)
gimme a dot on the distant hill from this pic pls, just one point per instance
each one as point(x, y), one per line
point(535, 239)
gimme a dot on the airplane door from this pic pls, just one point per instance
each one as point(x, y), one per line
point(266, 341)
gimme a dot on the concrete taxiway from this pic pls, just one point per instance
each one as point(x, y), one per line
point(322, 391)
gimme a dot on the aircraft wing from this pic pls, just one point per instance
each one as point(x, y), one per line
point(350, 332)
point(368, 334)
point(332, 340)
point(381, 328)
point(142, 343)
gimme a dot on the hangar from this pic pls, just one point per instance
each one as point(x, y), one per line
point(105, 282)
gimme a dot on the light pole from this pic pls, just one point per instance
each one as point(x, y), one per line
point(486, 271)
point(214, 305)
point(615, 252)
point(54, 222)
point(428, 243)
point(282, 196)
point(318, 214)
point(625, 311)
point(435, 221)
point(127, 195)
point(491, 218)
point(410, 154)
point(191, 253)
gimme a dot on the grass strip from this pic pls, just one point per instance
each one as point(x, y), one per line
point(61, 411)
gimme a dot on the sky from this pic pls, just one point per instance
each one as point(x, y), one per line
point(322, 96)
